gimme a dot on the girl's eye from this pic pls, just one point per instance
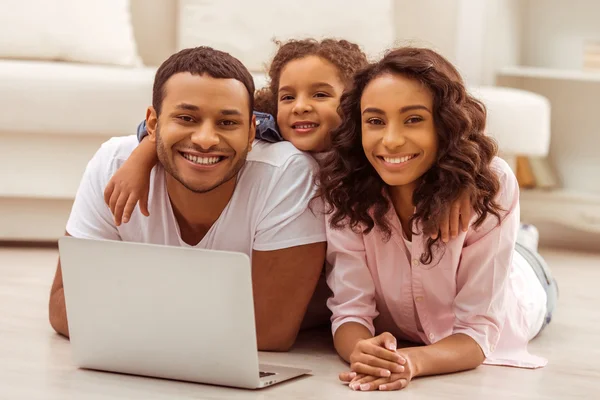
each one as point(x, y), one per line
point(414, 120)
point(375, 121)
point(186, 118)
point(321, 94)
point(286, 97)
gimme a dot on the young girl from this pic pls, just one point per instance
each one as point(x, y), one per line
point(412, 140)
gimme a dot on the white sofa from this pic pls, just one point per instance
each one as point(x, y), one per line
point(55, 115)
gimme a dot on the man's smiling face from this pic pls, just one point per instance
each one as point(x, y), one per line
point(204, 131)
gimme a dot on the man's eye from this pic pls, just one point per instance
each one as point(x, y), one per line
point(186, 118)
point(228, 122)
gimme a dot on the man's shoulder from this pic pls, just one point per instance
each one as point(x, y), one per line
point(118, 148)
point(278, 155)
point(112, 154)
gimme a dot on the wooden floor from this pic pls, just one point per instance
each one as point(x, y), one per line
point(35, 363)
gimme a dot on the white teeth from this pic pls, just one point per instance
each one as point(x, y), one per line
point(398, 160)
point(306, 126)
point(201, 160)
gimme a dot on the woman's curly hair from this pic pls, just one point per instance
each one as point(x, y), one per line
point(346, 56)
point(356, 195)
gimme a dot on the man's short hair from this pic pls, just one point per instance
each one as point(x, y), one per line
point(199, 61)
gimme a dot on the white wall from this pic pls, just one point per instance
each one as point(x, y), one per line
point(503, 37)
point(155, 28)
point(478, 36)
point(554, 31)
point(428, 23)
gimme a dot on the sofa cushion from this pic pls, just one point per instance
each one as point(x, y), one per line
point(89, 31)
point(68, 98)
point(246, 28)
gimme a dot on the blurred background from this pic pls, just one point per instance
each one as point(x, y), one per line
point(74, 73)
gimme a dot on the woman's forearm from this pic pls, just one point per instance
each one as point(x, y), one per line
point(346, 337)
point(455, 353)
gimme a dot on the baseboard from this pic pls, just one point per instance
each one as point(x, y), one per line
point(33, 220)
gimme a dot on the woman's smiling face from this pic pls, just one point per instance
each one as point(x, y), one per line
point(398, 131)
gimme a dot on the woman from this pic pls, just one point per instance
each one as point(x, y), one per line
point(411, 141)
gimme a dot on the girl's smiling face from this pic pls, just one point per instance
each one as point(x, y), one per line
point(398, 130)
point(308, 98)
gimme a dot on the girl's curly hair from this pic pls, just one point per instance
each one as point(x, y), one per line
point(357, 197)
point(346, 56)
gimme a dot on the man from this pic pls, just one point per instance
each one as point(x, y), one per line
point(214, 188)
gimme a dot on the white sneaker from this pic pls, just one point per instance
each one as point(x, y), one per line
point(528, 236)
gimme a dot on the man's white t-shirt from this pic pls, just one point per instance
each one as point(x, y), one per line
point(269, 210)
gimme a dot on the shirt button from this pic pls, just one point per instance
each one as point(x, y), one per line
point(419, 299)
point(416, 263)
point(431, 336)
point(492, 348)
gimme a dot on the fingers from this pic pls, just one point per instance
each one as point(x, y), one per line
point(129, 206)
point(365, 369)
point(454, 220)
point(395, 385)
point(445, 228)
point(357, 384)
point(109, 191)
point(377, 362)
point(120, 207)
point(114, 197)
point(122, 204)
point(376, 350)
point(347, 376)
point(457, 218)
point(144, 203)
point(465, 212)
point(374, 384)
point(388, 341)
point(370, 383)
point(358, 377)
point(371, 358)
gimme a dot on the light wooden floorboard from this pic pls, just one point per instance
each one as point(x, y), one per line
point(35, 363)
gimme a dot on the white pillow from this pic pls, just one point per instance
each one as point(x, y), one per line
point(246, 29)
point(87, 31)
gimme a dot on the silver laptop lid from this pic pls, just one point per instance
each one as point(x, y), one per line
point(169, 312)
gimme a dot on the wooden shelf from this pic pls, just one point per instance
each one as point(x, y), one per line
point(550, 73)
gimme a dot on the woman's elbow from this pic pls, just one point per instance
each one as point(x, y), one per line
point(477, 357)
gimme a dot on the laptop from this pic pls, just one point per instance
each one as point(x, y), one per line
point(166, 312)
